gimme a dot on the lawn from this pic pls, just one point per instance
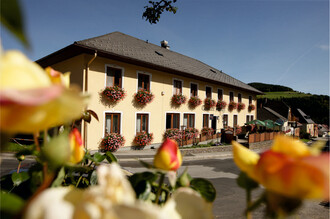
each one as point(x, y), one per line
point(283, 94)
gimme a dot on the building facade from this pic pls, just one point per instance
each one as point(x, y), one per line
point(120, 60)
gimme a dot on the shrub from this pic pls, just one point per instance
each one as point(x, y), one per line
point(114, 94)
point(143, 97)
point(209, 103)
point(207, 131)
point(240, 106)
point(111, 142)
point(142, 139)
point(175, 134)
point(190, 133)
point(178, 99)
point(221, 105)
point(194, 101)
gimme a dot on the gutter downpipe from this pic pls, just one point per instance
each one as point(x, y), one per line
point(85, 91)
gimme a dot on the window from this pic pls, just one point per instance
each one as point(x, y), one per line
point(220, 94)
point(112, 123)
point(250, 100)
point(231, 96)
point(208, 91)
point(114, 77)
point(172, 120)
point(142, 122)
point(177, 87)
point(239, 98)
point(193, 90)
point(249, 118)
point(143, 81)
point(206, 120)
point(235, 121)
point(189, 120)
point(225, 121)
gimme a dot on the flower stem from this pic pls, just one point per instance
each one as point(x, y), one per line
point(36, 142)
point(248, 204)
point(19, 166)
point(159, 191)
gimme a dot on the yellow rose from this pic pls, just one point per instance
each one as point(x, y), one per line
point(289, 168)
point(31, 100)
point(168, 156)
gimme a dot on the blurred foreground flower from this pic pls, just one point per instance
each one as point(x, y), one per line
point(289, 168)
point(168, 156)
point(31, 99)
point(114, 197)
point(76, 146)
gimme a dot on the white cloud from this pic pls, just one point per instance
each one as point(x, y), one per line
point(324, 47)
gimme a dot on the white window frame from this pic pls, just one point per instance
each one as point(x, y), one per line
point(114, 66)
point(211, 91)
point(238, 98)
point(137, 79)
point(189, 113)
point(227, 119)
point(235, 114)
point(190, 88)
point(218, 93)
point(208, 119)
point(177, 79)
point(121, 120)
point(233, 96)
point(176, 113)
point(148, 120)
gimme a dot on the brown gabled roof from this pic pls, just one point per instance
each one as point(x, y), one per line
point(126, 48)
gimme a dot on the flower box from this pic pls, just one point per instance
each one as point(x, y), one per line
point(190, 133)
point(178, 99)
point(143, 97)
point(209, 103)
point(252, 138)
point(207, 131)
point(142, 139)
point(221, 105)
point(194, 101)
point(267, 136)
point(240, 106)
point(257, 137)
point(112, 142)
point(174, 134)
point(271, 136)
point(114, 94)
point(232, 105)
point(262, 136)
point(251, 107)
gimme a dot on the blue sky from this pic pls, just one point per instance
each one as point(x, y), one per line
point(282, 42)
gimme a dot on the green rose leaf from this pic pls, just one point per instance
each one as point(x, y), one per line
point(10, 203)
point(59, 179)
point(98, 157)
point(18, 178)
point(93, 179)
point(205, 188)
point(110, 157)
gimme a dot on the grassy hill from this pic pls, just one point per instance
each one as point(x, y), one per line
point(316, 106)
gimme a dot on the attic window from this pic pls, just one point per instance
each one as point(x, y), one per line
point(158, 53)
point(212, 70)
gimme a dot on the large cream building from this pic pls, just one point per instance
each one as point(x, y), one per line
point(119, 59)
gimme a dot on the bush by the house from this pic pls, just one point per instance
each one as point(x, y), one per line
point(112, 142)
point(114, 94)
point(191, 133)
point(143, 97)
point(221, 105)
point(178, 99)
point(142, 139)
point(207, 131)
point(175, 134)
point(194, 101)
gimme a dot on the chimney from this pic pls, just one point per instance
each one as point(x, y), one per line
point(164, 44)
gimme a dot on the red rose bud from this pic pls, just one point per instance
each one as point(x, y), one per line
point(168, 156)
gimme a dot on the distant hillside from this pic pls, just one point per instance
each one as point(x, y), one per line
point(269, 87)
